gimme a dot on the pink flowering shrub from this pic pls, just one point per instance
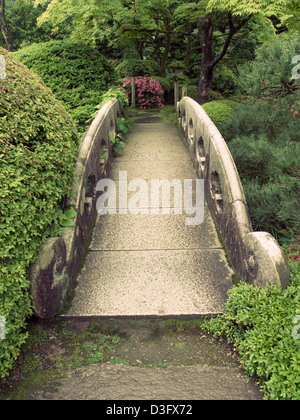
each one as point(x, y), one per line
point(149, 92)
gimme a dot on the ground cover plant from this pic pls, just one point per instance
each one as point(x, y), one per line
point(263, 325)
point(38, 147)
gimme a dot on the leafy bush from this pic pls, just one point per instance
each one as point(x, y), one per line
point(76, 74)
point(261, 324)
point(148, 90)
point(219, 111)
point(112, 93)
point(38, 146)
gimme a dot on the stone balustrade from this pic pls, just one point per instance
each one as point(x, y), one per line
point(53, 275)
point(255, 256)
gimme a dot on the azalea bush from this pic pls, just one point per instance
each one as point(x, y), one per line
point(149, 92)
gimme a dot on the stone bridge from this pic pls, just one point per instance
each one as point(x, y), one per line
point(175, 254)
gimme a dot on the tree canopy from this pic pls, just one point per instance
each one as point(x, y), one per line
point(213, 24)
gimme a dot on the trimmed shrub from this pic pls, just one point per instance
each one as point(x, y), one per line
point(219, 111)
point(77, 74)
point(38, 147)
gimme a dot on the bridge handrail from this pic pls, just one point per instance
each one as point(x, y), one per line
point(53, 274)
point(256, 256)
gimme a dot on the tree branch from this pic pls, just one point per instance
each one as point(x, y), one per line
point(232, 31)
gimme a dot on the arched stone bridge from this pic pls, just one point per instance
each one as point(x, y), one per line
point(147, 256)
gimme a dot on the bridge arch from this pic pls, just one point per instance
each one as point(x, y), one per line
point(255, 256)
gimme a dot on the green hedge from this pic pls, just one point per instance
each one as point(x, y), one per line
point(219, 111)
point(77, 74)
point(38, 147)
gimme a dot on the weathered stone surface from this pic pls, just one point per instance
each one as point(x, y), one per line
point(153, 264)
point(49, 279)
point(57, 267)
point(118, 382)
point(152, 282)
point(266, 260)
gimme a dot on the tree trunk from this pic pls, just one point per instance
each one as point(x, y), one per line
point(164, 59)
point(188, 49)
point(206, 74)
point(209, 62)
point(140, 50)
point(4, 27)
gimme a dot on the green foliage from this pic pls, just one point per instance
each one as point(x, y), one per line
point(38, 147)
point(134, 67)
point(219, 111)
point(66, 218)
point(117, 139)
point(224, 81)
point(270, 75)
point(21, 19)
point(274, 206)
point(257, 163)
point(113, 93)
point(76, 74)
point(259, 323)
point(276, 120)
point(270, 177)
point(263, 136)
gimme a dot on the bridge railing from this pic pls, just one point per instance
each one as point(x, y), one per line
point(53, 275)
point(256, 256)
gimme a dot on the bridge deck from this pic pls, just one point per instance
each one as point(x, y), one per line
point(153, 264)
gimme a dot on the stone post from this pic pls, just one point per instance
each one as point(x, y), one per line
point(133, 104)
point(176, 92)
